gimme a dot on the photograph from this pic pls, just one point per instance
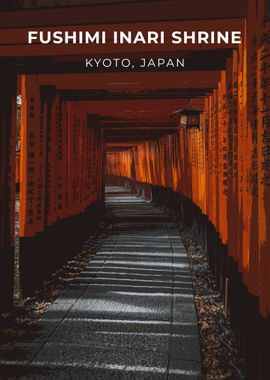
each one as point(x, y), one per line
point(134, 190)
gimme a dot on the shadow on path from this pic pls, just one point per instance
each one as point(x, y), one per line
point(130, 314)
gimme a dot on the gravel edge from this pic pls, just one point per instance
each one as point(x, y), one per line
point(219, 352)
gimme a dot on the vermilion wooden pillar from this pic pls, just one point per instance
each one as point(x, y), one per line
point(7, 184)
point(32, 194)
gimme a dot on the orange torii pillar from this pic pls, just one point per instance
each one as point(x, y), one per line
point(32, 185)
point(8, 92)
point(43, 194)
point(61, 184)
point(263, 162)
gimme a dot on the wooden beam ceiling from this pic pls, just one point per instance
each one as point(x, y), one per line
point(120, 12)
point(132, 105)
point(133, 81)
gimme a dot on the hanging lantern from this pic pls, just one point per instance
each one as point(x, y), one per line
point(188, 117)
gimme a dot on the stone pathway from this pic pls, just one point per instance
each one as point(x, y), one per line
point(130, 314)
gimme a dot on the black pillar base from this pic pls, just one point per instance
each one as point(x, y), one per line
point(42, 255)
point(6, 280)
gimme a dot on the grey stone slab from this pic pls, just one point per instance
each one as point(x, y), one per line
point(184, 291)
point(149, 249)
point(41, 331)
point(75, 373)
point(71, 295)
point(143, 247)
point(133, 270)
point(184, 277)
point(184, 328)
point(140, 282)
point(152, 262)
point(130, 274)
point(185, 347)
point(182, 296)
point(119, 325)
point(181, 264)
point(184, 316)
point(184, 370)
point(126, 304)
point(112, 335)
point(184, 307)
point(125, 266)
point(57, 310)
point(71, 361)
point(136, 237)
point(129, 288)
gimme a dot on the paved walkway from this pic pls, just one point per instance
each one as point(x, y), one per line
point(130, 313)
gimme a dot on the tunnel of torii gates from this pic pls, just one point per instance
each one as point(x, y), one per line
point(76, 126)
